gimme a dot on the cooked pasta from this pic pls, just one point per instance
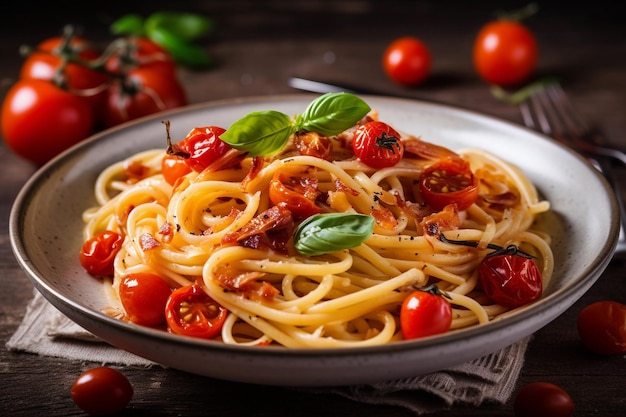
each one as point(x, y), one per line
point(190, 233)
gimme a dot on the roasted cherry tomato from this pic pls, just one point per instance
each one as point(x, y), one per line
point(141, 92)
point(173, 167)
point(191, 312)
point(425, 313)
point(449, 181)
point(313, 144)
point(510, 278)
point(137, 51)
point(204, 146)
point(295, 190)
point(102, 391)
point(46, 61)
point(377, 144)
point(40, 120)
point(602, 327)
point(407, 61)
point(505, 53)
point(543, 399)
point(144, 296)
point(98, 253)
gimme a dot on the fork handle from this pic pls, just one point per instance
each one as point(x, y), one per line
point(605, 166)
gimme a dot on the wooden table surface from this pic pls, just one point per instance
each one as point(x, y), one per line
point(258, 45)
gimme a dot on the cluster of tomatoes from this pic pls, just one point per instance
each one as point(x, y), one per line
point(68, 89)
point(504, 54)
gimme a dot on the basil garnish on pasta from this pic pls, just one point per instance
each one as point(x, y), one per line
point(332, 232)
point(266, 132)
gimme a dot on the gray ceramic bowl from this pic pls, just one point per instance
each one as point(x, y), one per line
point(45, 231)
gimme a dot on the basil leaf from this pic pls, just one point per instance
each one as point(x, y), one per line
point(130, 24)
point(183, 52)
point(185, 26)
point(333, 113)
point(259, 133)
point(332, 232)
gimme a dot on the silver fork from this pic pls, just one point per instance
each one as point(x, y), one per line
point(550, 111)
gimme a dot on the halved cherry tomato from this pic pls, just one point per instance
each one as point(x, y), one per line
point(191, 312)
point(425, 313)
point(510, 279)
point(173, 167)
point(449, 181)
point(143, 91)
point(407, 61)
point(98, 253)
point(102, 391)
point(295, 190)
point(505, 53)
point(377, 144)
point(543, 399)
point(602, 327)
point(40, 120)
point(204, 146)
point(144, 296)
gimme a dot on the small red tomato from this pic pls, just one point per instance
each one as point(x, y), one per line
point(102, 391)
point(543, 399)
point(448, 181)
point(40, 120)
point(505, 53)
point(510, 279)
point(407, 61)
point(204, 146)
point(425, 313)
point(140, 52)
point(173, 167)
point(143, 296)
point(378, 145)
point(97, 254)
point(191, 312)
point(602, 327)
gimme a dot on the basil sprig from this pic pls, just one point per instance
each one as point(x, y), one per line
point(332, 232)
point(265, 133)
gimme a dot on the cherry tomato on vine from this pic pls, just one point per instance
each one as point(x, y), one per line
point(510, 278)
point(602, 327)
point(191, 312)
point(543, 399)
point(425, 313)
point(295, 190)
point(137, 51)
point(102, 391)
point(79, 78)
point(377, 144)
point(143, 91)
point(40, 120)
point(449, 181)
point(204, 146)
point(407, 61)
point(144, 296)
point(173, 167)
point(98, 253)
point(505, 53)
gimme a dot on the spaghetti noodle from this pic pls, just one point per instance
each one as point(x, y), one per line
point(191, 233)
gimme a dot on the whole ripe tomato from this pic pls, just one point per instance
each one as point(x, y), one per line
point(191, 312)
point(543, 399)
point(45, 62)
point(378, 145)
point(143, 296)
point(425, 313)
point(143, 91)
point(40, 120)
point(136, 51)
point(505, 53)
point(102, 391)
point(449, 181)
point(602, 327)
point(97, 254)
point(295, 190)
point(407, 61)
point(204, 146)
point(510, 279)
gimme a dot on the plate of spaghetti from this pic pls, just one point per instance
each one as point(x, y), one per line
point(308, 240)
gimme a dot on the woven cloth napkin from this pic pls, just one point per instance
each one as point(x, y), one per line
point(490, 379)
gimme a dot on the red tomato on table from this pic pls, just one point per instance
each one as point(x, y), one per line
point(602, 327)
point(543, 399)
point(407, 61)
point(102, 391)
